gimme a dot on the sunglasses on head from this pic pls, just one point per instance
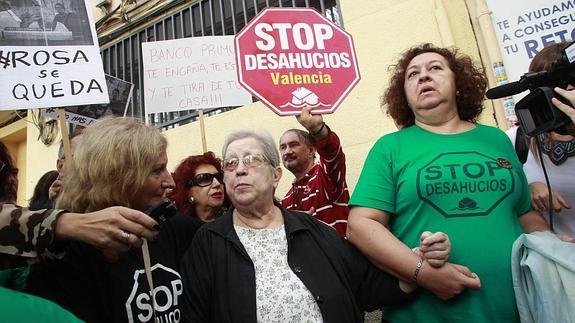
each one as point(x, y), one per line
point(204, 179)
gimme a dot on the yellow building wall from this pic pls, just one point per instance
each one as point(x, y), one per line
point(381, 31)
point(41, 158)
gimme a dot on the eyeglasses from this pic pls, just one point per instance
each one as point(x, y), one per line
point(251, 161)
point(204, 179)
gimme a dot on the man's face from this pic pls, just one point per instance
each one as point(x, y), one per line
point(296, 156)
point(59, 8)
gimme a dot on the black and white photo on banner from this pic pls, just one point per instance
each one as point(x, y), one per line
point(44, 23)
point(120, 93)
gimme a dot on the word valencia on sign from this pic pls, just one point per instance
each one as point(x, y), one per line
point(291, 58)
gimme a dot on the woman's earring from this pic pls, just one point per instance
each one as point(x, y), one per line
point(457, 93)
point(191, 200)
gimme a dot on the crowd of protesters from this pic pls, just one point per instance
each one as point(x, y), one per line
point(432, 219)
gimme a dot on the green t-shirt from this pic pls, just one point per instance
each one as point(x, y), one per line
point(468, 185)
point(22, 308)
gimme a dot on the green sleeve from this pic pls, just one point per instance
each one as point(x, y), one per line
point(376, 185)
point(20, 307)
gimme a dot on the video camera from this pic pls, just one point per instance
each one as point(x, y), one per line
point(536, 112)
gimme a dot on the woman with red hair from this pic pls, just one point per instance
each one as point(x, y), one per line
point(199, 188)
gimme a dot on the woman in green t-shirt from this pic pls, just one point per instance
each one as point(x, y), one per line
point(443, 172)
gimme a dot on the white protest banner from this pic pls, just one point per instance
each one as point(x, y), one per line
point(524, 27)
point(84, 115)
point(191, 73)
point(49, 55)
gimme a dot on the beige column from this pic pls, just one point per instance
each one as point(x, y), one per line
point(443, 24)
point(483, 15)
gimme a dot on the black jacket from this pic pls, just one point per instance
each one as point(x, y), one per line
point(219, 278)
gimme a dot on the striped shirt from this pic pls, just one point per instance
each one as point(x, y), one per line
point(324, 187)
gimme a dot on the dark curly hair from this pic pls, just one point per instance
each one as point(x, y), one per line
point(470, 82)
point(184, 172)
point(8, 176)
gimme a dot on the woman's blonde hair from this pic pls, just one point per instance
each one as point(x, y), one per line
point(111, 164)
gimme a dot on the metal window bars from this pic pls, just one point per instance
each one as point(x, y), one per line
point(123, 58)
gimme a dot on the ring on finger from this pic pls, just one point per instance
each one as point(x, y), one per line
point(126, 236)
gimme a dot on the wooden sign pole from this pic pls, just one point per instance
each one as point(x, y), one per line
point(65, 137)
point(203, 129)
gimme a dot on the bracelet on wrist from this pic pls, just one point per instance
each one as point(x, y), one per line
point(315, 133)
point(417, 269)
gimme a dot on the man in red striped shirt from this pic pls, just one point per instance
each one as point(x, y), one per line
point(319, 189)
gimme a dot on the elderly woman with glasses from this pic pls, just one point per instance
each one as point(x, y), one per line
point(199, 188)
point(260, 262)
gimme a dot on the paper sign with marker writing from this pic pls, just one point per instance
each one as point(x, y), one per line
point(191, 73)
point(85, 115)
point(49, 55)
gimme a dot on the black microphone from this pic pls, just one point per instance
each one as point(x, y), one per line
point(528, 81)
point(506, 90)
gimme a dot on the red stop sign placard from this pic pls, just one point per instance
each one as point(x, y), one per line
point(290, 58)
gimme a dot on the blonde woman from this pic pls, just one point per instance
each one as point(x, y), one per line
point(119, 162)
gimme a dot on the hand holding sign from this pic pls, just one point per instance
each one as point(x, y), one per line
point(313, 123)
